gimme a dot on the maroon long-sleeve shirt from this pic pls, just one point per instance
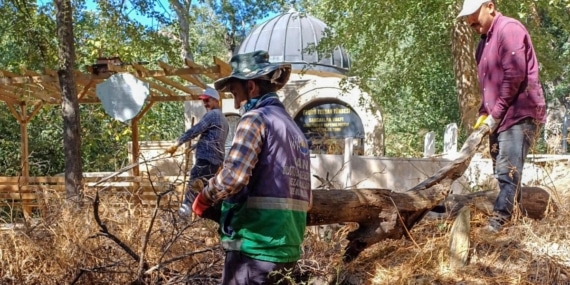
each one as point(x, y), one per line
point(508, 74)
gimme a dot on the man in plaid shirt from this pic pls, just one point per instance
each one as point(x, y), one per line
point(264, 186)
point(512, 104)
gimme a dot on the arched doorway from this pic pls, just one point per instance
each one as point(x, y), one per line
point(327, 123)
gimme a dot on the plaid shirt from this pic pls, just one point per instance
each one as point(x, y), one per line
point(239, 164)
point(213, 130)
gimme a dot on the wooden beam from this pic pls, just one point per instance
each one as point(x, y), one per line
point(90, 100)
point(212, 75)
point(224, 68)
point(51, 72)
point(142, 70)
point(36, 108)
point(51, 75)
point(160, 88)
point(143, 111)
point(85, 89)
point(49, 86)
point(95, 100)
point(33, 90)
point(15, 113)
point(190, 78)
point(173, 98)
point(8, 97)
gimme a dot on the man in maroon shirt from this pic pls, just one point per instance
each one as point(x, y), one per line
point(512, 98)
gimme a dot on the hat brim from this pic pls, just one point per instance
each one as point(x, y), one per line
point(466, 12)
point(471, 8)
point(223, 86)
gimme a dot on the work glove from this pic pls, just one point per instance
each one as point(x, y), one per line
point(201, 205)
point(486, 120)
point(480, 121)
point(171, 150)
point(492, 123)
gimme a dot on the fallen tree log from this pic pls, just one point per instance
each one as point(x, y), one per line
point(383, 214)
point(380, 213)
point(535, 203)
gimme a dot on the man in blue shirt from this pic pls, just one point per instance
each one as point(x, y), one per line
point(210, 149)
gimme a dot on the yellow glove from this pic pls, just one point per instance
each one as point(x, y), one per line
point(480, 121)
point(172, 149)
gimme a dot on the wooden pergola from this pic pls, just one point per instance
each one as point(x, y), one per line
point(31, 89)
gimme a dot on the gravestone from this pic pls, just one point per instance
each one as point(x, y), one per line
point(450, 140)
point(429, 144)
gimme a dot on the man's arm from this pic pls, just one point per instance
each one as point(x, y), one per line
point(205, 123)
point(241, 160)
point(513, 45)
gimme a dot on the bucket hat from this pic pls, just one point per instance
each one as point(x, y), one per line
point(255, 65)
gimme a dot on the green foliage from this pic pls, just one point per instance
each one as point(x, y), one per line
point(28, 40)
point(240, 16)
point(401, 51)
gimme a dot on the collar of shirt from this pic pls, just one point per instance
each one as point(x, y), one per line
point(489, 33)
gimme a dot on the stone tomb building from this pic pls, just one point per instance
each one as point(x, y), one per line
point(327, 114)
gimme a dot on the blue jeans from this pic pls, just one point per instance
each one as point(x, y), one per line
point(204, 170)
point(508, 150)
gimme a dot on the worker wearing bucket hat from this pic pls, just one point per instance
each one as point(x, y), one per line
point(512, 99)
point(264, 185)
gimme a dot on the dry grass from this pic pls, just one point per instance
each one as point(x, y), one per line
point(67, 246)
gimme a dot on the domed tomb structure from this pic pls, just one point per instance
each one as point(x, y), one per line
point(313, 96)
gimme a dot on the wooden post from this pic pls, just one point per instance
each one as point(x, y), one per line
point(348, 150)
point(459, 239)
point(136, 147)
point(135, 136)
point(24, 152)
point(24, 141)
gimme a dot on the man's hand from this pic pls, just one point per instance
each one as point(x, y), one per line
point(201, 204)
point(171, 150)
point(492, 123)
point(480, 121)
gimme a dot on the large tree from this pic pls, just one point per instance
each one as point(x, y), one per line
point(416, 58)
point(69, 102)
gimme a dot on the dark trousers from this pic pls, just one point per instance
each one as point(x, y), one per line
point(240, 269)
point(204, 170)
point(508, 150)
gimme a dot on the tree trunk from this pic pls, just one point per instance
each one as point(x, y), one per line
point(182, 9)
point(69, 105)
point(384, 214)
point(535, 202)
point(465, 69)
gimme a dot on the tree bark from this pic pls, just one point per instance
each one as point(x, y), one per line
point(69, 105)
point(535, 202)
point(465, 69)
point(182, 10)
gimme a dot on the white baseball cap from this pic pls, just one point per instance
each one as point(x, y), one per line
point(210, 92)
point(470, 7)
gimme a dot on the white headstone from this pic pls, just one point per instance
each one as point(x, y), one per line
point(450, 140)
point(429, 144)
